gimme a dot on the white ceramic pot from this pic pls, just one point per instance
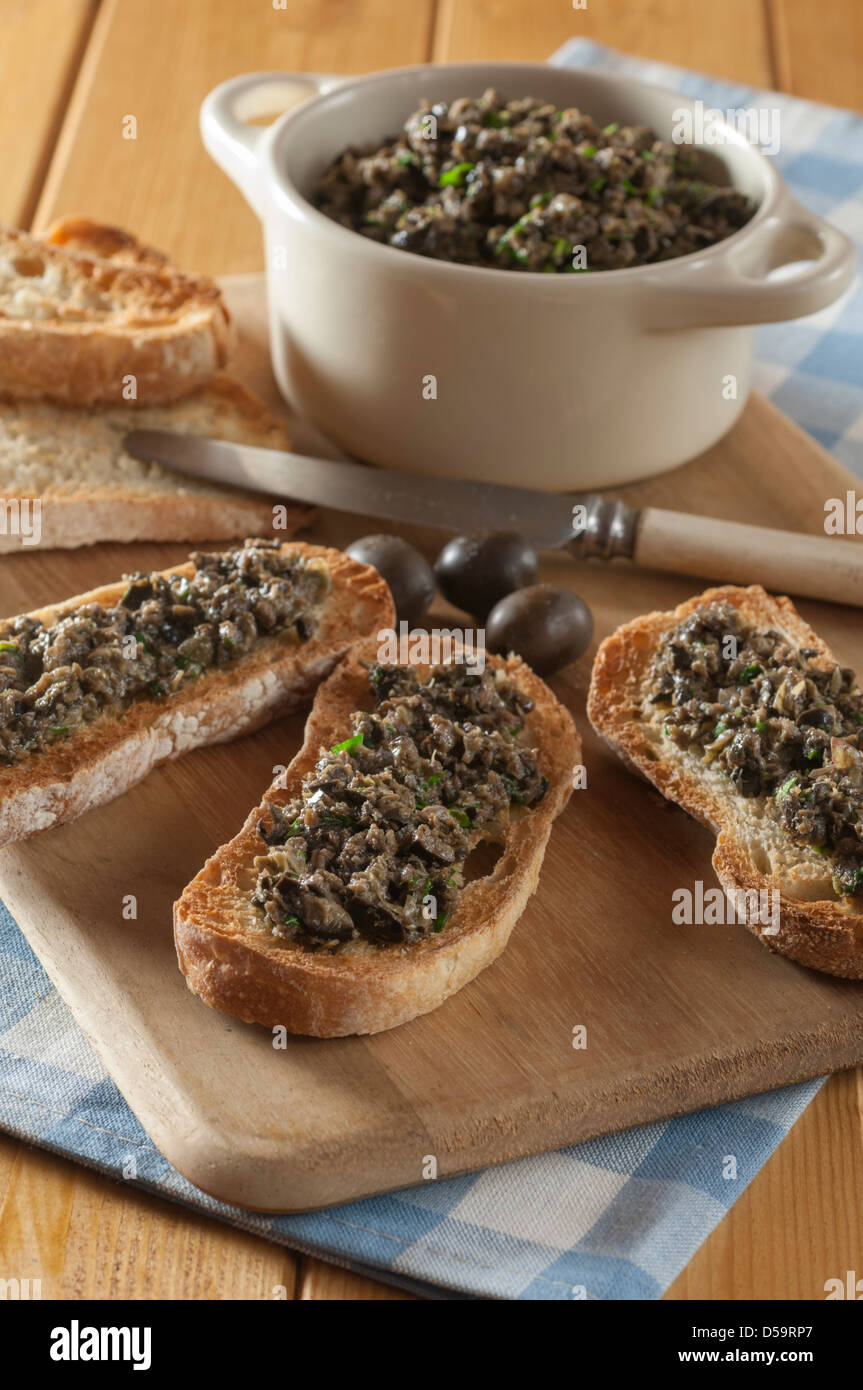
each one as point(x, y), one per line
point(556, 382)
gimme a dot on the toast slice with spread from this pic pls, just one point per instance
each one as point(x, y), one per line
point(81, 329)
point(735, 709)
point(96, 691)
point(378, 920)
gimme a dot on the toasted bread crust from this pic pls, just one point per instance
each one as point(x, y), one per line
point(132, 319)
point(98, 240)
point(232, 961)
point(69, 522)
point(113, 753)
point(821, 933)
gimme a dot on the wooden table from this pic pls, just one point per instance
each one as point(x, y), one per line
point(70, 71)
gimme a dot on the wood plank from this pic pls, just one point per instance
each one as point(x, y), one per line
point(41, 46)
point(728, 40)
point(163, 184)
point(819, 50)
point(86, 1237)
point(800, 1222)
point(319, 1281)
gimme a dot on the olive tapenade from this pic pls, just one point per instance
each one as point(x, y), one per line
point(779, 725)
point(161, 634)
point(520, 185)
point(374, 848)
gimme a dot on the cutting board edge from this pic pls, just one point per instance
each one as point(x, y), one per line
point(265, 1186)
point(271, 1177)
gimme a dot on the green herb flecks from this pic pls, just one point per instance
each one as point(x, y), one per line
point(786, 787)
point(748, 674)
point(348, 745)
point(455, 178)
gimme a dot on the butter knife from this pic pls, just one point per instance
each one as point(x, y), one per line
point(588, 525)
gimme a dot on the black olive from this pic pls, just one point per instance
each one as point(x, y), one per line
point(139, 590)
point(405, 570)
point(375, 923)
point(475, 571)
point(290, 893)
point(548, 627)
point(372, 732)
point(386, 681)
point(817, 718)
point(747, 780)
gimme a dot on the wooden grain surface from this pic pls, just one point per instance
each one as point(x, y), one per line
point(41, 45)
point(728, 40)
point(162, 183)
point(819, 50)
point(813, 50)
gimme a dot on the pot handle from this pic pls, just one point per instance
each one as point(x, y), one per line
point(226, 112)
point(734, 289)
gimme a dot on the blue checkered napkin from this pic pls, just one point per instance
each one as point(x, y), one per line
point(613, 1218)
point(811, 368)
point(617, 1217)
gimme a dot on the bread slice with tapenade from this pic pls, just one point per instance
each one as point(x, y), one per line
point(385, 936)
point(760, 738)
point(78, 329)
point(96, 691)
point(72, 461)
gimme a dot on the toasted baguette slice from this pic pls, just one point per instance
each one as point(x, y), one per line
point(230, 958)
point(74, 329)
point(90, 489)
point(817, 928)
point(114, 752)
point(102, 242)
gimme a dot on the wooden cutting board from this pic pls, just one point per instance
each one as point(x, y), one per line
point(676, 1017)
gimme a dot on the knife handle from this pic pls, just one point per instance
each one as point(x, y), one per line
point(730, 552)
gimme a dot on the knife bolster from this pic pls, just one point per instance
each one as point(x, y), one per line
point(602, 529)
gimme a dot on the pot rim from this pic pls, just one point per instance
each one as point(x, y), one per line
point(292, 200)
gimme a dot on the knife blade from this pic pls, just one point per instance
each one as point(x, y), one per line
point(444, 503)
point(817, 566)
